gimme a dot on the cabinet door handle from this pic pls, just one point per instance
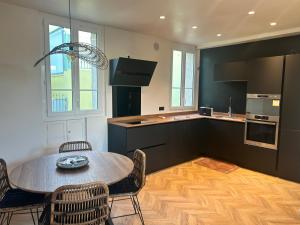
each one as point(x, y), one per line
point(261, 122)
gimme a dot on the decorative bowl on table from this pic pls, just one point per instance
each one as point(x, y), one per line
point(72, 162)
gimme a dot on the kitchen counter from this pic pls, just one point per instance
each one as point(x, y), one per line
point(175, 138)
point(138, 121)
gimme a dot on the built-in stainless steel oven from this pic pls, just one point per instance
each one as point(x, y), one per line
point(262, 120)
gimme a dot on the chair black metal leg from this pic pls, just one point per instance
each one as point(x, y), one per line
point(9, 216)
point(109, 221)
point(111, 205)
point(136, 206)
point(135, 197)
point(37, 215)
point(2, 218)
point(32, 216)
point(133, 204)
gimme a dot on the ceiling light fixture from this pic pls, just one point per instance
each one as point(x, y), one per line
point(219, 35)
point(162, 17)
point(251, 12)
point(194, 27)
point(77, 50)
point(273, 24)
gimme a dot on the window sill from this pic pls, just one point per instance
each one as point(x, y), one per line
point(53, 117)
point(183, 108)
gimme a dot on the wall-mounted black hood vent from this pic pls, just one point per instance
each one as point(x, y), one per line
point(131, 72)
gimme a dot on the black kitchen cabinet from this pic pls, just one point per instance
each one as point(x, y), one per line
point(165, 145)
point(290, 114)
point(230, 71)
point(157, 158)
point(173, 143)
point(289, 150)
point(225, 140)
point(117, 139)
point(265, 75)
point(146, 136)
point(176, 142)
point(186, 140)
point(289, 155)
point(150, 139)
point(258, 159)
point(196, 137)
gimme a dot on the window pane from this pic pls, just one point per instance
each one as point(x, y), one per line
point(189, 79)
point(177, 69)
point(189, 70)
point(60, 71)
point(176, 99)
point(88, 79)
point(88, 100)
point(176, 78)
point(61, 101)
point(188, 97)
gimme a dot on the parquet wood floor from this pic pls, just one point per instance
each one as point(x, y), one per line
point(189, 194)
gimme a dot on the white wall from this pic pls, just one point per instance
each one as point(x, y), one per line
point(124, 43)
point(22, 128)
point(21, 125)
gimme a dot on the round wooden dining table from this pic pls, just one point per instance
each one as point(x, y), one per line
point(42, 176)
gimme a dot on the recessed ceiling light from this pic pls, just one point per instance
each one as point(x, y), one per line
point(162, 17)
point(273, 23)
point(194, 27)
point(251, 12)
point(219, 35)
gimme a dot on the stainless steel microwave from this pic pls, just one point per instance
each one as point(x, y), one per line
point(206, 111)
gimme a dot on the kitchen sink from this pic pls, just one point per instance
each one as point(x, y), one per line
point(183, 117)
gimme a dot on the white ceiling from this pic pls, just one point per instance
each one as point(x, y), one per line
point(229, 17)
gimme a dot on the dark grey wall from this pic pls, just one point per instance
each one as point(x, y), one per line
point(216, 94)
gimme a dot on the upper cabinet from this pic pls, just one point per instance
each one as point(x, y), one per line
point(230, 71)
point(265, 75)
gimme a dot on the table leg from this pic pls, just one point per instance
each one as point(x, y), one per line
point(109, 222)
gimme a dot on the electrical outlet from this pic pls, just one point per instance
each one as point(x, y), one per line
point(161, 108)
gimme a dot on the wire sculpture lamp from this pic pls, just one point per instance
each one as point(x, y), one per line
point(83, 51)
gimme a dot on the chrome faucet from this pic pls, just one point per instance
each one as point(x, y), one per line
point(229, 108)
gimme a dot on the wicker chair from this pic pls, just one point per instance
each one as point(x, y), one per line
point(75, 146)
point(131, 186)
point(77, 205)
point(16, 201)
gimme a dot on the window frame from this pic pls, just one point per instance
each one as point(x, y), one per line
point(76, 27)
point(182, 86)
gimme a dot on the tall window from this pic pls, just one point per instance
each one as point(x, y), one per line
point(72, 86)
point(183, 74)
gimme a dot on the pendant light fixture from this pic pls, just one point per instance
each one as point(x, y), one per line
point(77, 50)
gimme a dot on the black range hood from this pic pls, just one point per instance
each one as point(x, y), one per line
point(131, 72)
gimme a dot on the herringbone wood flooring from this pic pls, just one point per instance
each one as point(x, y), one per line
point(190, 194)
